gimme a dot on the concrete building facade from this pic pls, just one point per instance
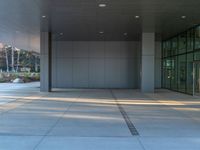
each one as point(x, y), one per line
point(98, 44)
point(101, 64)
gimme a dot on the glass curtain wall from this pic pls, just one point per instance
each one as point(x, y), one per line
point(178, 55)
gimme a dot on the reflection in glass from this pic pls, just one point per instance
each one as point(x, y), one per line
point(197, 38)
point(166, 73)
point(181, 73)
point(174, 46)
point(190, 73)
point(182, 43)
point(180, 54)
point(167, 48)
point(197, 55)
point(197, 79)
point(174, 73)
point(190, 41)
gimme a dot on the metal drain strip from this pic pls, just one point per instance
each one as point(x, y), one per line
point(129, 123)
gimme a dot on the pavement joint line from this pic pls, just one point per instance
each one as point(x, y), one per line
point(141, 144)
point(58, 120)
point(129, 123)
point(41, 135)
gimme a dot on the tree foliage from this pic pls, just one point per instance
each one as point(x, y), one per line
point(18, 60)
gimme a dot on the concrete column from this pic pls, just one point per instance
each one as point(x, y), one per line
point(45, 62)
point(147, 62)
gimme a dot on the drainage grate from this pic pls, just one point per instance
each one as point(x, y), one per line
point(130, 125)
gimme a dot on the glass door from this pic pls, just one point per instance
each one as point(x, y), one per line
point(196, 83)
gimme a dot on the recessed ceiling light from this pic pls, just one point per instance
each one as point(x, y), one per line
point(43, 16)
point(102, 5)
point(61, 33)
point(125, 34)
point(101, 32)
point(137, 17)
point(183, 17)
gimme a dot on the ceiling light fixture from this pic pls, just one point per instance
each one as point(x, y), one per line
point(102, 5)
point(137, 17)
point(183, 17)
point(43, 16)
point(125, 34)
point(61, 33)
point(101, 32)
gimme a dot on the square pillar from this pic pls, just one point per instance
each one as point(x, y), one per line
point(45, 62)
point(147, 62)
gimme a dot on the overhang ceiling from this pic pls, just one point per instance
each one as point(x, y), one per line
point(21, 20)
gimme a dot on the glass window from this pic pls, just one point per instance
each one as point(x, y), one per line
point(179, 54)
point(168, 44)
point(197, 79)
point(164, 49)
point(181, 73)
point(197, 55)
point(163, 74)
point(182, 43)
point(190, 73)
point(174, 73)
point(167, 48)
point(166, 73)
point(190, 40)
point(174, 45)
point(197, 38)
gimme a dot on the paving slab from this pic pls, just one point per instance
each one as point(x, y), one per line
point(94, 143)
point(173, 143)
point(19, 142)
point(90, 119)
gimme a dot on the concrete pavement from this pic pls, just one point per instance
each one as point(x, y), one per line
point(92, 120)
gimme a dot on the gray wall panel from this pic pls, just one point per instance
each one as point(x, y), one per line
point(128, 73)
point(80, 73)
point(64, 49)
point(124, 73)
point(64, 72)
point(113, 49)
point(54, 64)
point(96, 73)
point(97, 49)
point(133, 75)
point(112, 73)
point(95, 64)
point(54, 71)
point(128, 49)
point(81, 49)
